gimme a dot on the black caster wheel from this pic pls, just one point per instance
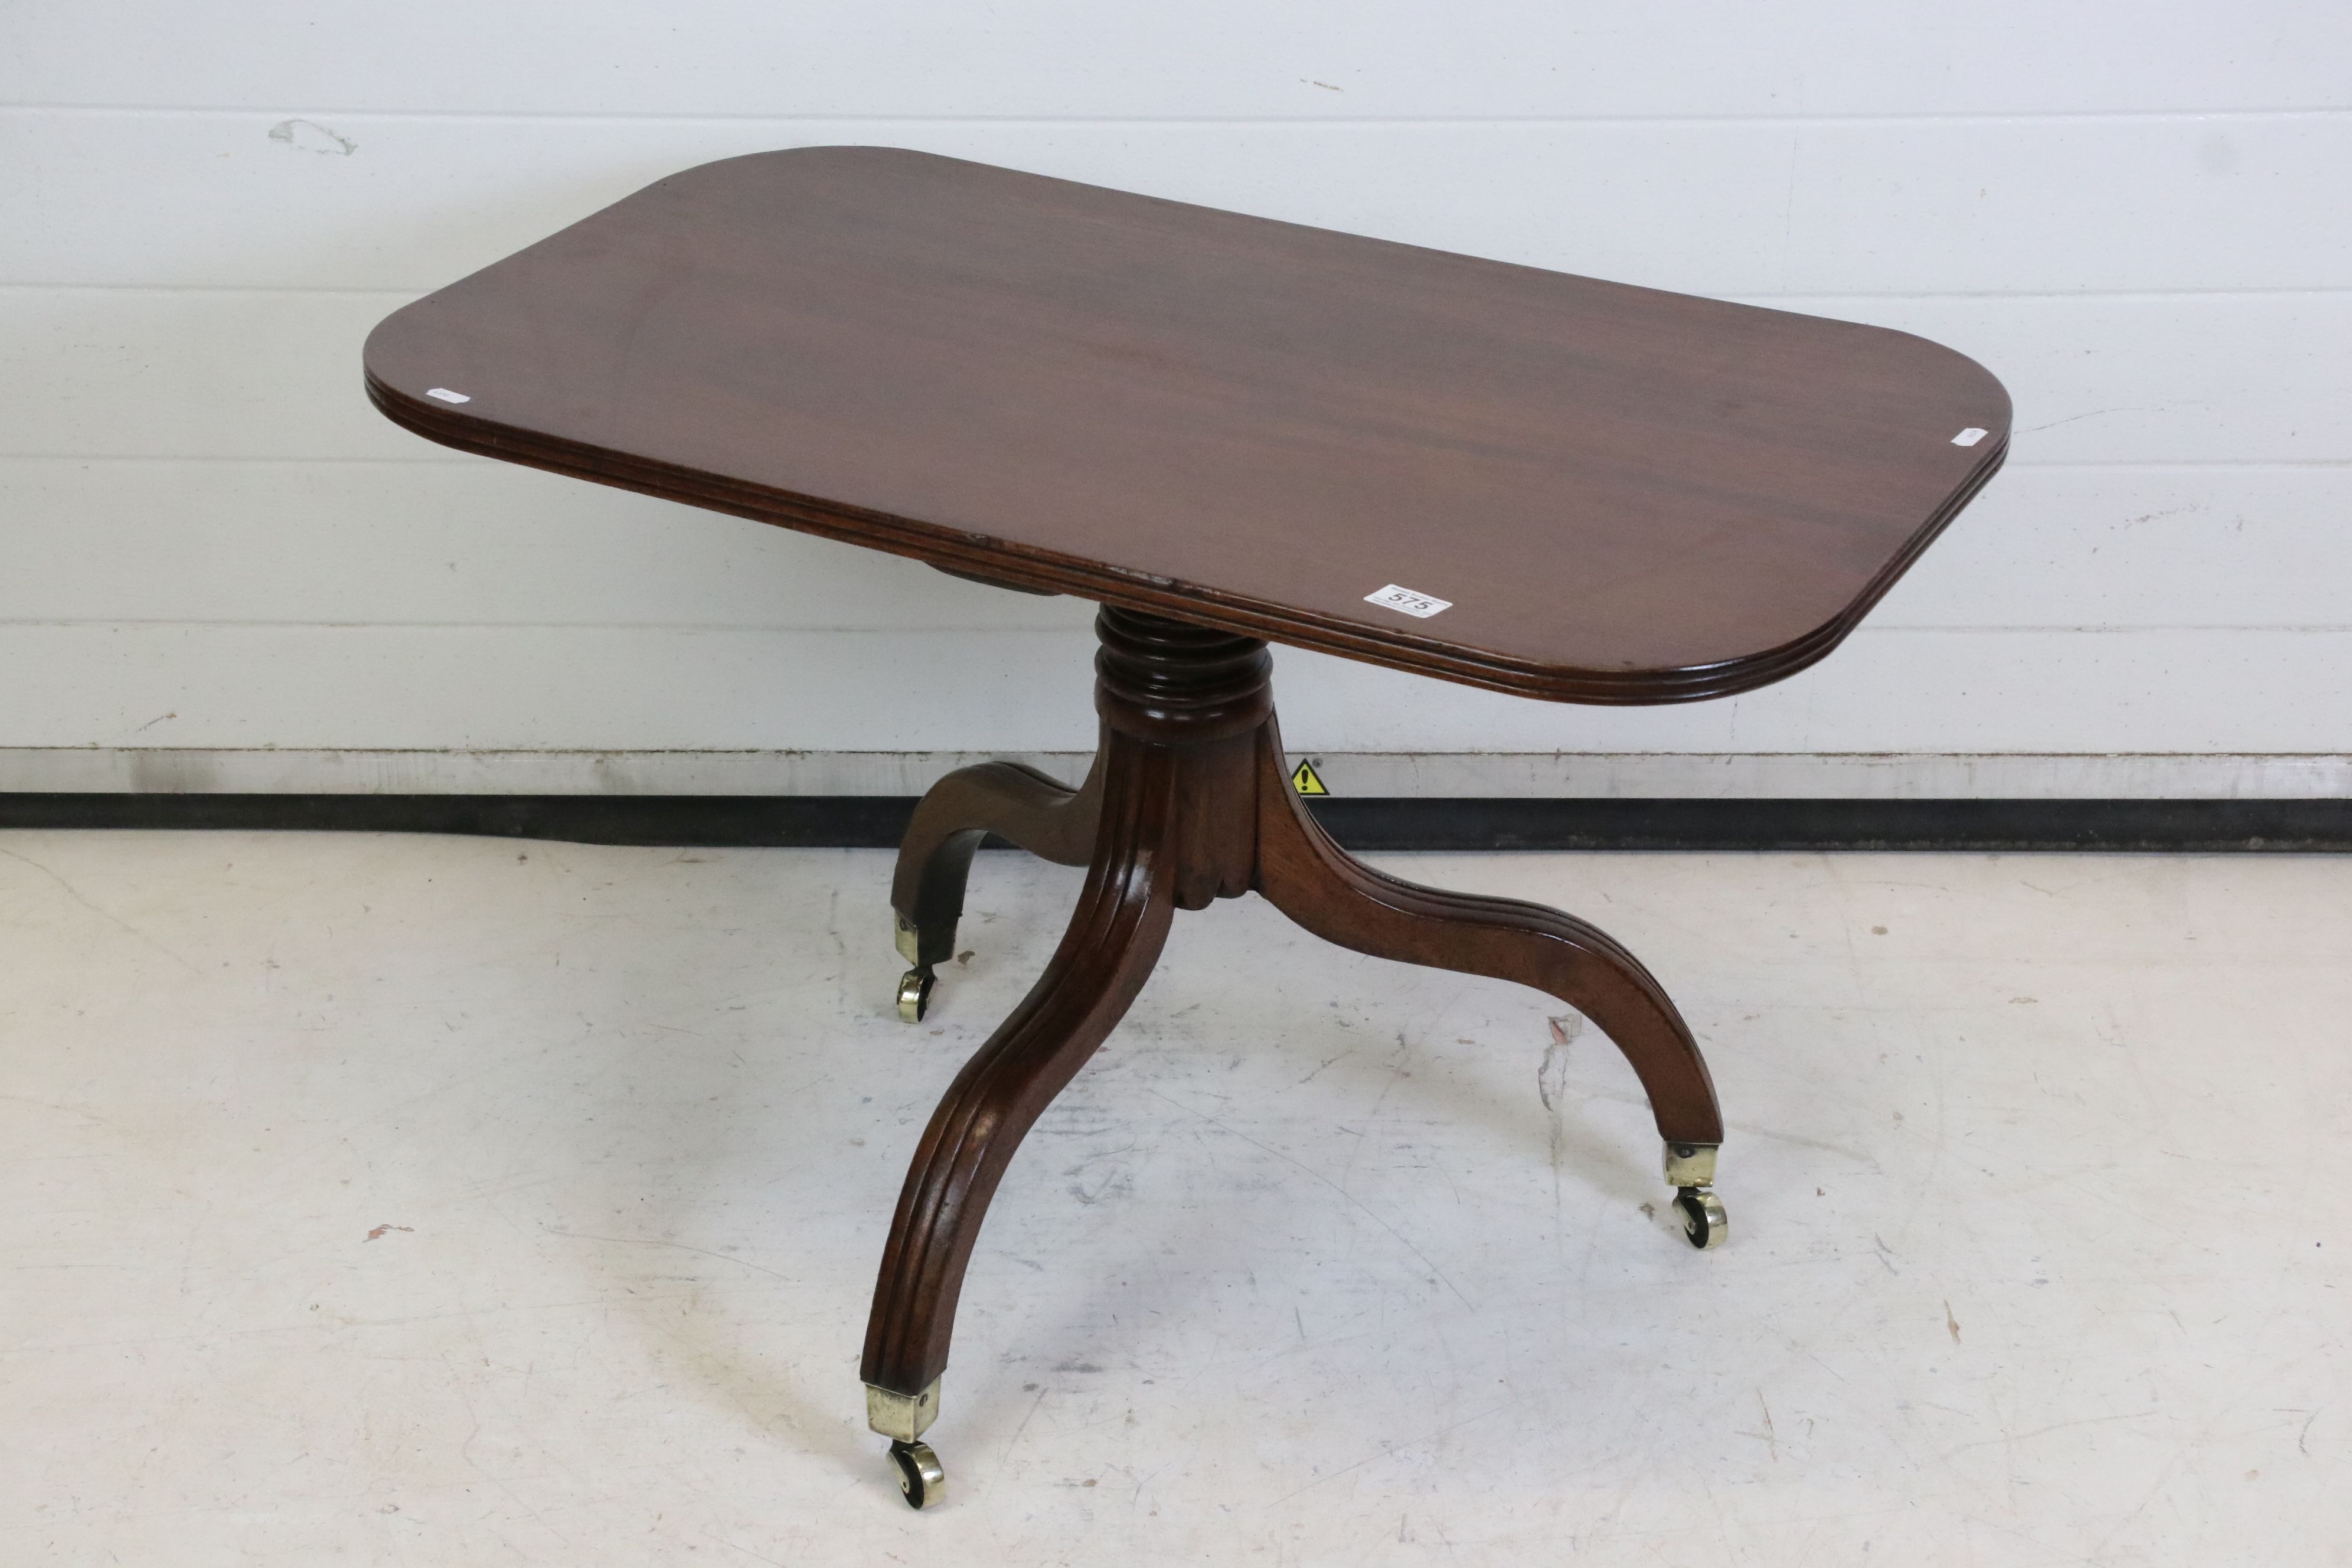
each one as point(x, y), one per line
point(920, 1476)
point(1704, 1225)
point(915, 995)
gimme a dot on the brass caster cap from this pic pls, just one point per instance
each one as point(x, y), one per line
point(920, 1480)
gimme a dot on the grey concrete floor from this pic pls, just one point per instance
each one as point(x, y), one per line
point(428, 1201)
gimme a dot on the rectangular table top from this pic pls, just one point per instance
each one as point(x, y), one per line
point(1522, 480)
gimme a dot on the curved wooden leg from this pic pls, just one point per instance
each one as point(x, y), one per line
point(1319, 885)
point(1113, 941)
point(1045, 817)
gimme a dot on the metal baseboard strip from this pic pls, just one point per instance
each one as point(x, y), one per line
point(872, 822)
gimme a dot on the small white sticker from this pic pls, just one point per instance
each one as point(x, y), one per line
point(1970, 436)
point(446, 395)
point(1411, 604)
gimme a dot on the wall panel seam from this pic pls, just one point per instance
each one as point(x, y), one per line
point(458, 459)
point(625, 117)
point(666, 628)
point(53, 286)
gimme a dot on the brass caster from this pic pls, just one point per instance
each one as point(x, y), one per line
point(915, 995)
point(908, 939)
point(920, 1476)
point(1704, 1225)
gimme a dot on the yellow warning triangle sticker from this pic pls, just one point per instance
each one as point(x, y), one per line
point(1306, 780)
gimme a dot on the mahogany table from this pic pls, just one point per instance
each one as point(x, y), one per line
point(1225, 431)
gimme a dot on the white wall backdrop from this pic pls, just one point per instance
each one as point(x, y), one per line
point(220, 569)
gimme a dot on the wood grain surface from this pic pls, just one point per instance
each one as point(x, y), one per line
point(1626, 495)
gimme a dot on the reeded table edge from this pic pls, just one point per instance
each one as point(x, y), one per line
point(1027, 566)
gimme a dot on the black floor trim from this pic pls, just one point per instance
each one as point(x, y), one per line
point(877, 821)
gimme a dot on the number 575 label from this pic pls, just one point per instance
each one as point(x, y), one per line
point(1405, 599)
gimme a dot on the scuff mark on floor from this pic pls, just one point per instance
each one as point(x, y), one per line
point(1551, 1087)
point(76, 895)
point(1551, 1075)
point(310, 136)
